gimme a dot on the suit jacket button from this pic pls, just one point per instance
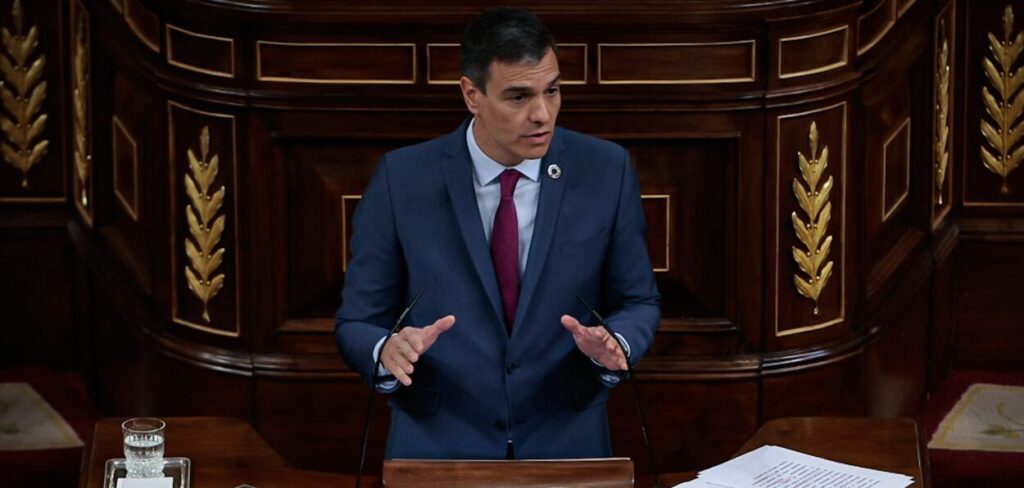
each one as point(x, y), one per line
point(511, 368)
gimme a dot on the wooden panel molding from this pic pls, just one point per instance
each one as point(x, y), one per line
point(444, 63)
point(336, 63)
point(874, 25)
point(143, 22)
point(660, 254)
point(813, 53)
point(895, 169)
point(206, 253)
point(125, 158)
point(688, 63)
point(201, 53)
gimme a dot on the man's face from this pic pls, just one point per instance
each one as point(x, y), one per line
point(515, 119)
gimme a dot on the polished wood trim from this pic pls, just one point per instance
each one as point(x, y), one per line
point(698, 81)
point(289, 79)
point(429, 47)
point(668, 229)
point(820, 69)
point(198, 69)
point(887, 211)
point(344, 228)
point(904, 6)
point(570, 473)
point(150, 39)
point(171, 105)
point(890, 6)
point(132, 208)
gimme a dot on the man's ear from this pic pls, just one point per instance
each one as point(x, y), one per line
point(470, 94)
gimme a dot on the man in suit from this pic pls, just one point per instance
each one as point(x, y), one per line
point(502, 223)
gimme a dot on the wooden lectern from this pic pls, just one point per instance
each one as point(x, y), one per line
point(573, 473)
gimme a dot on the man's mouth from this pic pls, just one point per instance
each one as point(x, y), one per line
point(538, 137)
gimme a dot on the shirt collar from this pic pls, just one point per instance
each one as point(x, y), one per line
point(486, 170)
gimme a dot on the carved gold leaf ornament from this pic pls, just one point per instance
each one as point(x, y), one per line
point(815, 204)
point(80, 92)
point(1005, 111)
point(22, 92)
point(942, 114)
point(204, 260)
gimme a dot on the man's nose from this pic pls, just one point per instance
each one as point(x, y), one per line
point(540, 113)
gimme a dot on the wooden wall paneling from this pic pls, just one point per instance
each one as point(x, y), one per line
point(700, 176)
point(808, 131)
point(692, 424)
point(331, 424)
point(733, 61)
point(830, 388)
point(198, 52)
point(128, 160)
point(888, 203)
point(37, 298)
point(943, 308)
point(819, 49)
point(988, 304)
point(35, 256)
point(186, 378)
point(981, 188)
point(874, 24)
point(143, 22)
point(32, 167)
point(896, 360)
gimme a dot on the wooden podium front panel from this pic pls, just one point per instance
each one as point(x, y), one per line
point(570, 473)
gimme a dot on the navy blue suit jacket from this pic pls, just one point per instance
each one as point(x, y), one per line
point(418, 227)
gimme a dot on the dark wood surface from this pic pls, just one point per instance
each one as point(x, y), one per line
point(228, 452)
point(569, 473)
point(224, 452)
point(891, 444)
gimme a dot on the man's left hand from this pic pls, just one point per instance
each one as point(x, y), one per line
point(597, 344)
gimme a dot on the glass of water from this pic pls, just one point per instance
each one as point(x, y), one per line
point(144, 447)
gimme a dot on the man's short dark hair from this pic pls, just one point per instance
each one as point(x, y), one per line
point(510, 35)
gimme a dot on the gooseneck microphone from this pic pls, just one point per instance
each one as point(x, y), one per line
point(636, 394)
point(373, 383)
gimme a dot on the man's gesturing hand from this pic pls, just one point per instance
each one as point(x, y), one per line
point(597, 344)
point(406, 347)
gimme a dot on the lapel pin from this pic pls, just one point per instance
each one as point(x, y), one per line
point(554, 171)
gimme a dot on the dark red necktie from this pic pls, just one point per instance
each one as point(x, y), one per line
point(505, 247)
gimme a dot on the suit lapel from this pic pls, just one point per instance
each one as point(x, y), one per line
point(548, 206)
point(458, 173)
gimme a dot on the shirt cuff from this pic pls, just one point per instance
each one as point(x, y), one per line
point(381, 370)
point(386, 382)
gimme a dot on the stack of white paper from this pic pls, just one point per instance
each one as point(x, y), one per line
point(778, 467)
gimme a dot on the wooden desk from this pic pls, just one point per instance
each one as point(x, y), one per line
point(225, 452)
point(885, 444)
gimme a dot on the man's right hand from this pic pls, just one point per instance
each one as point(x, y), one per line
point(409, 344)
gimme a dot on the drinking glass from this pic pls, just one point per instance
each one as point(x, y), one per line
point(144, 447)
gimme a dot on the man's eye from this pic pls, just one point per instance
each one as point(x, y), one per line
point(518, 98)
point(552, 90)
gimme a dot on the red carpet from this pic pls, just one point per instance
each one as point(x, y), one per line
point(50, 468)
point(956, 468)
